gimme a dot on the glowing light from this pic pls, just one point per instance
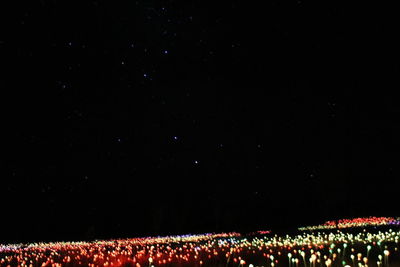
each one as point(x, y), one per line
point(325, 248)
point(386, 252)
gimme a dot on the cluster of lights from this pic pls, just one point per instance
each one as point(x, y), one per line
point(307, 249)
point(395, 222)
point(263, 232)
point(260, 233)
point(352, 223)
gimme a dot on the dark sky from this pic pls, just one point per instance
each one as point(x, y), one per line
point(131, 118)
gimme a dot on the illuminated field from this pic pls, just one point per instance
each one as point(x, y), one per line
point(350, 246)
point(353, 223)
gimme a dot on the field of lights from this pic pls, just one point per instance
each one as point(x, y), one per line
point(351, 243)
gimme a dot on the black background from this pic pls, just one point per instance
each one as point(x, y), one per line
point(132, 118)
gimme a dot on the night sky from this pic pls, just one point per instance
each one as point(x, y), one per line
point(133, 118)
